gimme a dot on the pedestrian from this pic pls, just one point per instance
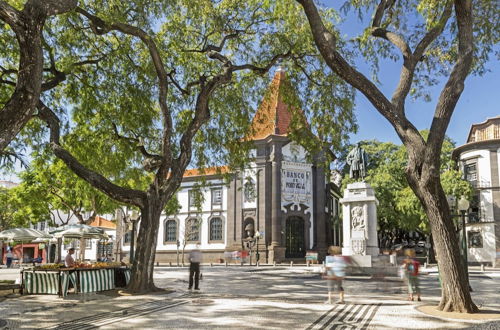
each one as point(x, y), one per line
point(195, 258)
point(9, 256)
point(335, 271)
point(411, 267)
point(69, 261)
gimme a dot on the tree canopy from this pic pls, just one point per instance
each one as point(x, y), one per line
point(132, 84)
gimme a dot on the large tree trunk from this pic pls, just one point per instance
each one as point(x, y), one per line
point(426, 184)
point(143, 266)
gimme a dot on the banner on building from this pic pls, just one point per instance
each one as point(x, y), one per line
point(295, 185)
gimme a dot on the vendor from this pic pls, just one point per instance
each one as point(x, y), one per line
point(69, 261)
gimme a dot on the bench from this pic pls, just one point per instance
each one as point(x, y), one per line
point(10, 286)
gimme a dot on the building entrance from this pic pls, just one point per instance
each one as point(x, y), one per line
point(295, 240)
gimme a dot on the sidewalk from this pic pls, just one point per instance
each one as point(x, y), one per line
point(250, 297)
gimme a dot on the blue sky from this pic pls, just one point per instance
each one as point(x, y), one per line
point(477, 103)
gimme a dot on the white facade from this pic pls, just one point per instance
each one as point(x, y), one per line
point(479, 160)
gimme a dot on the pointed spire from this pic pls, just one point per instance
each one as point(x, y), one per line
point(273, 116)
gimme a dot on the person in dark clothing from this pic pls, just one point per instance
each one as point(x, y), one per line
point(195, 258)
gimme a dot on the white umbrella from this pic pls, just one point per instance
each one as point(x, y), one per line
point(78, 231)
point(23, 234)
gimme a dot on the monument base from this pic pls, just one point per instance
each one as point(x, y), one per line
point(362, 261)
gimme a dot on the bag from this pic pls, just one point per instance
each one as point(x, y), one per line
point(401, 272)
point(411, 268)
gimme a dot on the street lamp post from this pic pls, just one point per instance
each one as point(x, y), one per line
point(257, 255)
point(463, 206)
point(133, 219)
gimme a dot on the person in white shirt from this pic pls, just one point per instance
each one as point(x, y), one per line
point(9, 256)
point(69, 261)
point(195, 258)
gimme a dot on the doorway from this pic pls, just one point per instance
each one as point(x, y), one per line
point(295, 238)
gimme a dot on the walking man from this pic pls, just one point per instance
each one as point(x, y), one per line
point(195, 258)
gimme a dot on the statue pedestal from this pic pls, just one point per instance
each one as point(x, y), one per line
point(359, 207)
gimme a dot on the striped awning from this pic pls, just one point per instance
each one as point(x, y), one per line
point(94, 280)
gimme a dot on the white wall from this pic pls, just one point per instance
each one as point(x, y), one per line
point(207, 212)
point(484, 180)
point(487, 253)
point(294, 160)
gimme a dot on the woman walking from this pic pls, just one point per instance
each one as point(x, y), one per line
point(410, 266)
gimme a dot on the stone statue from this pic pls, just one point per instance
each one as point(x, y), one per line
point(357, 160)
point(358, 220)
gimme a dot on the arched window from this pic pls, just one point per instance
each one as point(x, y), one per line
point(192, 230)
point(216, 229)
point(171, 231)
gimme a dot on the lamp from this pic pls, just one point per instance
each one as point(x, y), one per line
point(257, 254)
point(463, 205)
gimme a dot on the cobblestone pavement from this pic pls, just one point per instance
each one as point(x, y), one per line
point(249, 298)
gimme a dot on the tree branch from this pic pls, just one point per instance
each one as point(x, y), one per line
point(433, 33)
point(9, 15)
point(124, 195)
point(151, 161)
point(455, 85)
point(393, 38)
point(101, 27)
point(28, 26)
point(326, 43)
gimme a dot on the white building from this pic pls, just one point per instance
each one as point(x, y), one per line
point(479, 159)
point(279, 208)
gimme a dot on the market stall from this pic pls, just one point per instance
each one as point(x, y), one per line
point(85, 279)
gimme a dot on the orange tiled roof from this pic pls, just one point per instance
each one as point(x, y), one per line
point(206, 171)
point(273, 116)
point(102, 223)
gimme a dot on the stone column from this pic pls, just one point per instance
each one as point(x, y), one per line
point(231, 216)
point(319, 205)
point(276, 252)
point(495, 182)
point(360, 223)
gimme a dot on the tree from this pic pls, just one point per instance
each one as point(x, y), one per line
point(178, 67)
point(399, 207)
point(20, 99)
point(444, 36)
point(48, 190)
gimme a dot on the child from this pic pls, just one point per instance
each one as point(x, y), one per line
point(411, 266)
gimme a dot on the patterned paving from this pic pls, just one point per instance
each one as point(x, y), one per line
point(348, 316)
point(101, 319)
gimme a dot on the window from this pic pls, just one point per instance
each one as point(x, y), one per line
point(470, 172)
point(216, 196)
point(192, 230)
point(475, 239)
point(42, 225)
point(249, 193)
point(127, 237)
point(191, 198)
point(88, 244)
point(171, 231)
point(216, 229)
